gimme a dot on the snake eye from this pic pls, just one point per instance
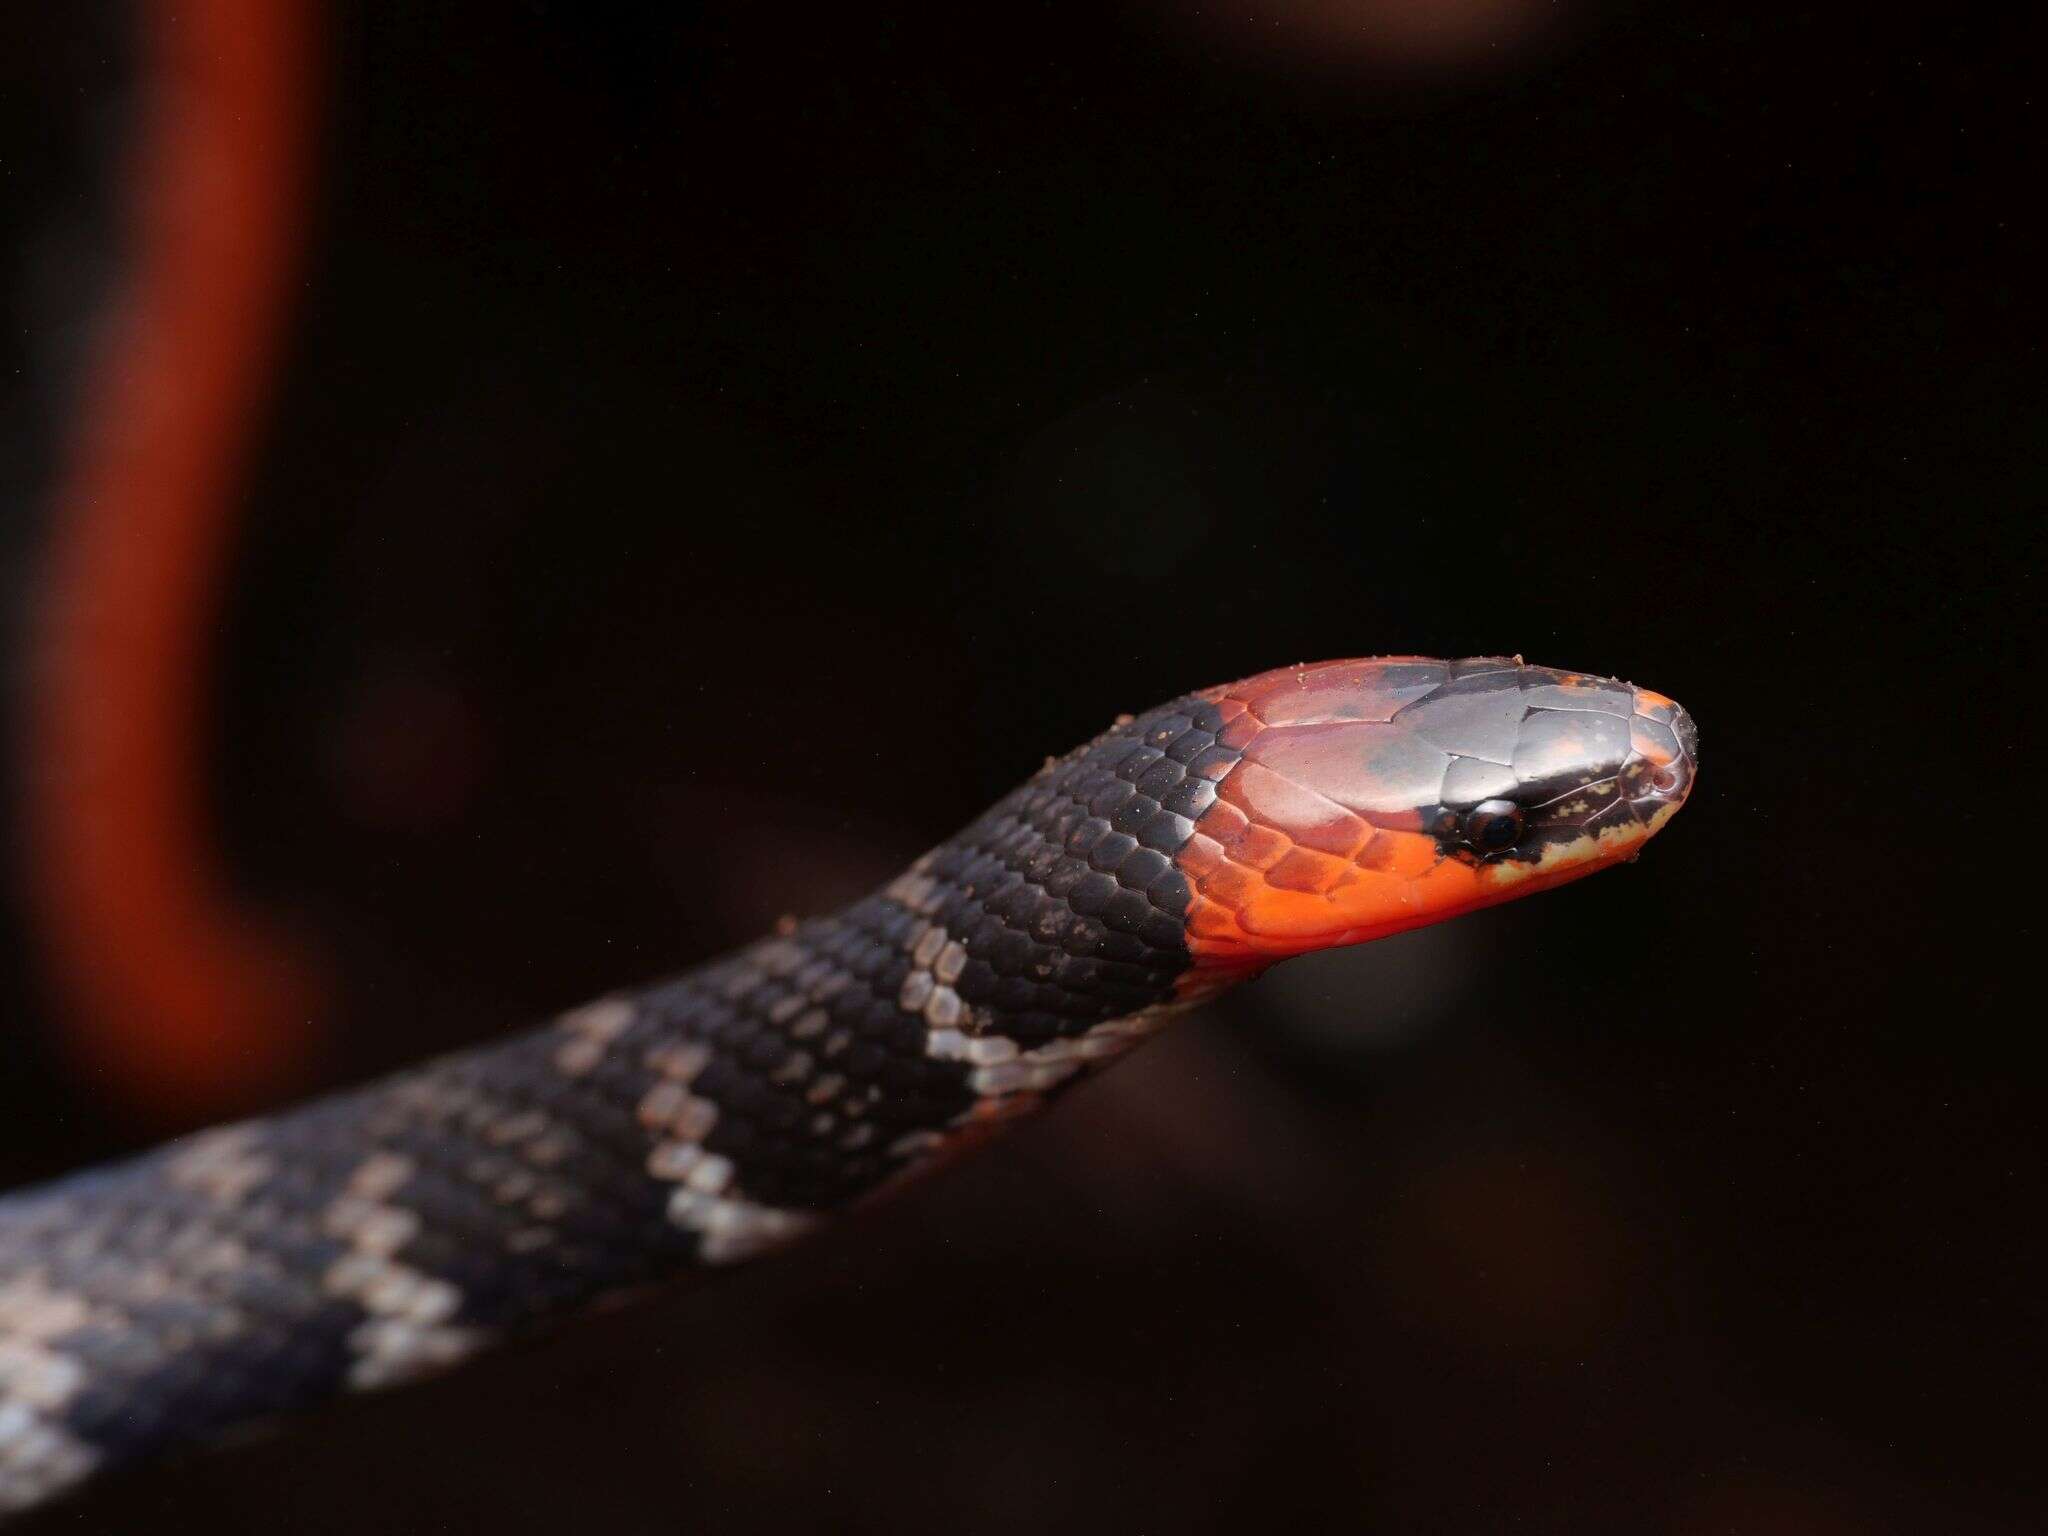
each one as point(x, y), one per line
point(1493, 826)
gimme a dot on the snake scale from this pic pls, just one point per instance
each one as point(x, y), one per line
point(394, 1230)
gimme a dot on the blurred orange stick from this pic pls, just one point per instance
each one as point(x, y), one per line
point(179, 1004)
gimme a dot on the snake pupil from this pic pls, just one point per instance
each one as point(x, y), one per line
point(1493, 825)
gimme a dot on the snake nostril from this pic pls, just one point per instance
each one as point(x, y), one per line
point(1664, 780)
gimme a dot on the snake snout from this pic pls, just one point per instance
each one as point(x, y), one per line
point(1665, 738)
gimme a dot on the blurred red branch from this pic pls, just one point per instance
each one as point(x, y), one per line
point(178, 1002)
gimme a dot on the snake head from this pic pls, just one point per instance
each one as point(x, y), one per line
point(1370, 796)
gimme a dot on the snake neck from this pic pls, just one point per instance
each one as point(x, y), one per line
point(1047, 937)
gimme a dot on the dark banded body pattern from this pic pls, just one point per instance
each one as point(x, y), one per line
point(397, 1229)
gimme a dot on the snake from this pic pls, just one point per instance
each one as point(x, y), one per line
point(394, 1230)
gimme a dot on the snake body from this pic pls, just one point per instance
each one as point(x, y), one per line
point(399, 1228)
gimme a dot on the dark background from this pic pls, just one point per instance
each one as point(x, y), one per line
point(718, 449)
